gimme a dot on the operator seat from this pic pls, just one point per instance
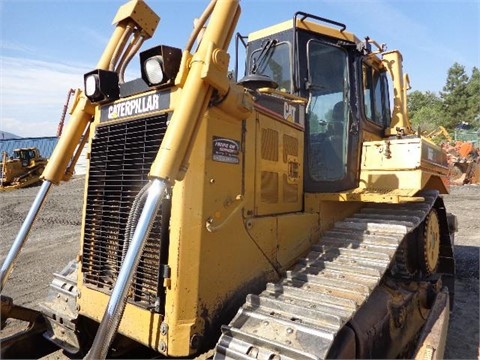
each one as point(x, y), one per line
point(335, 127)
point(335, 140)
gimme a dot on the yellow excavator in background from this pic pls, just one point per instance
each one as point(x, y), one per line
point(289, 214)
point(22, 169)
point(438, 134)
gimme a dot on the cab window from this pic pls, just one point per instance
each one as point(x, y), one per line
point(376, 96)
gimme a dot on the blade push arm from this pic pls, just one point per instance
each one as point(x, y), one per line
point(400, 124)
point(208, 71)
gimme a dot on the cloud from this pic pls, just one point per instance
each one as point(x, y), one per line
point(32, 94)
point(18, 47)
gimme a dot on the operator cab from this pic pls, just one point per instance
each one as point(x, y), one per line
point(344, 82)
point(24, 155)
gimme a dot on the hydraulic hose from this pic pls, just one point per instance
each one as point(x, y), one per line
point(199, 25)
point(133, 216)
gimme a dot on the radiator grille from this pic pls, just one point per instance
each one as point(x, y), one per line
point(120, 160)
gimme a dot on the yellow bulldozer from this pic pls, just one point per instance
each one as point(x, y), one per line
point(22, 169)
point(287, 214)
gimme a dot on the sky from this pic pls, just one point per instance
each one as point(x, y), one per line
point(47, 45)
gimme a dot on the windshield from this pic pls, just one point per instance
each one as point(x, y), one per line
point(273, 60)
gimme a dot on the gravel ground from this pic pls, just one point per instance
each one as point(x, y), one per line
point(463, 334)
point(53, 242)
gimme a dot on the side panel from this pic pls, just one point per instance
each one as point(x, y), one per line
point(279, 178)
point(403, 164)
point(214, 262)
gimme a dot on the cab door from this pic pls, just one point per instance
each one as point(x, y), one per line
point(332, 132)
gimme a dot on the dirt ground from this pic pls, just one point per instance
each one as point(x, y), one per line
point(53, 242)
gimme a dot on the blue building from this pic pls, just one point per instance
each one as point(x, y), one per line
point(44, 144)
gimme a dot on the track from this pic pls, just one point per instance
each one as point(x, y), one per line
point(299, 316)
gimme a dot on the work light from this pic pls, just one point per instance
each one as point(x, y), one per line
point(154, 69)
point(160, 65)
point(101, 86)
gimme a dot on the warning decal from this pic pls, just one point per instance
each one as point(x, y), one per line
point(226, 150)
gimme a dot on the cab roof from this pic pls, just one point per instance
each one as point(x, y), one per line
point(305, 25)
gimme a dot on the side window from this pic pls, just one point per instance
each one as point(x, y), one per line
point(273, 60)
point(387, 112)
point(376, 95)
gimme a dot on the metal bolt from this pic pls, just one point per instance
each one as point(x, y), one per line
point(163, 347)
point(289, 331)
point(163, 329)
point(195, 341)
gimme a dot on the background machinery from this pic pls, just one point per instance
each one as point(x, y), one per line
point(22, 169)
point(464, 162)
point(288, 214)
point(463, 154)
point(438, 135)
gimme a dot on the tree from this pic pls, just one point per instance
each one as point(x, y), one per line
point(458, 103)
point(425, 110)
point(455, 96)
point(473, 90)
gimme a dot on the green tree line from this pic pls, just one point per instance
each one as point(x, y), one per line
point(458, 103)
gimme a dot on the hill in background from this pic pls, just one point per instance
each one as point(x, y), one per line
point(6, 135)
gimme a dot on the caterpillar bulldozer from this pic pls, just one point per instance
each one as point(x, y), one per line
point(291, 213)
point(22, 169)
